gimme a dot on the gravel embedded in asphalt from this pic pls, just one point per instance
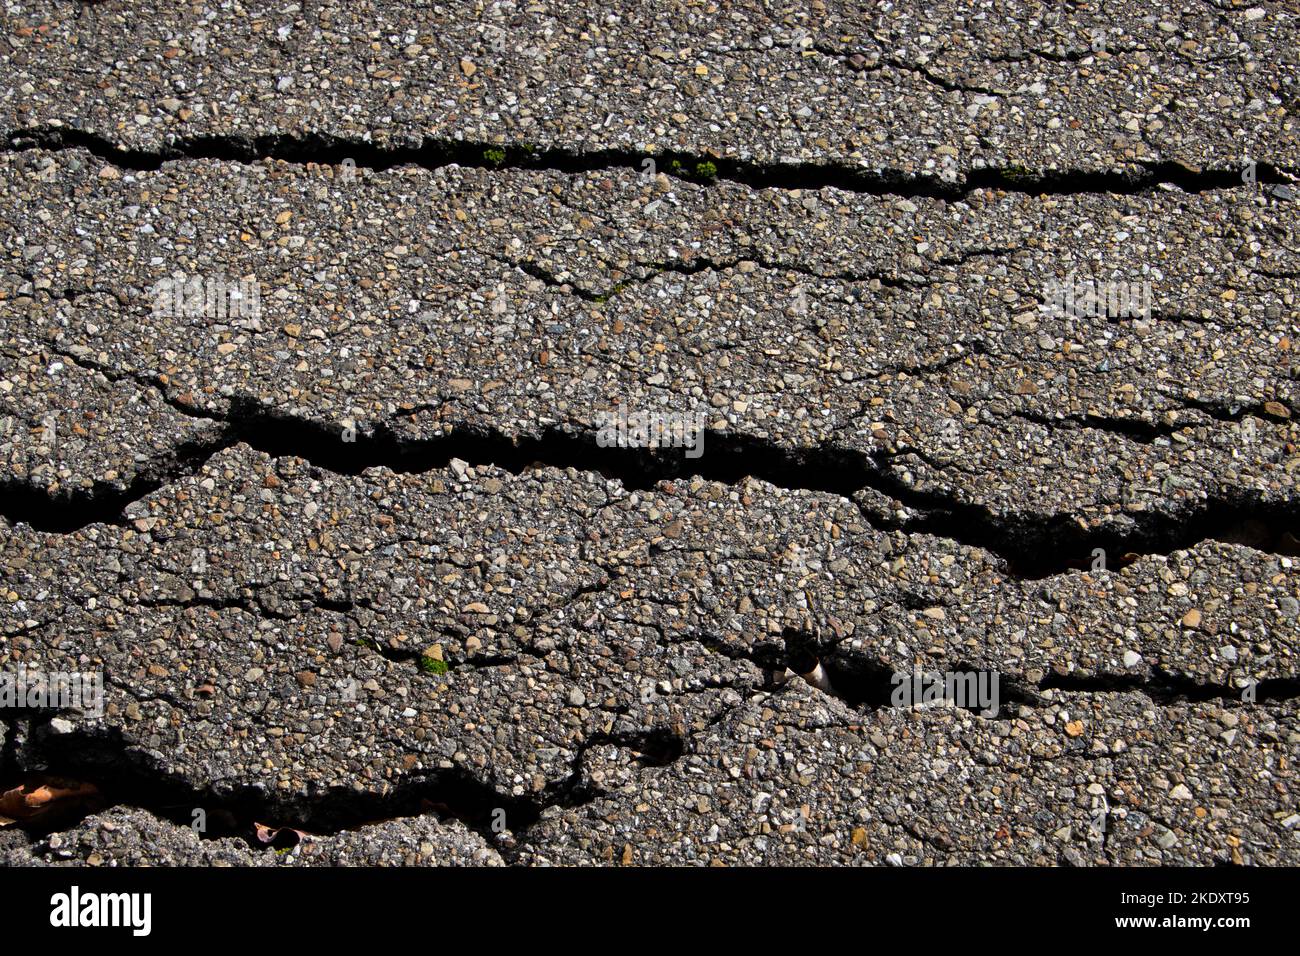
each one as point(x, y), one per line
point(981, 320)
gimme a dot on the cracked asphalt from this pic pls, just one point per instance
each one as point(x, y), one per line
point(353, 564)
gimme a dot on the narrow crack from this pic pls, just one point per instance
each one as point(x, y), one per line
point(1166, 687)
point(864, 681)
point(324, 149)
point(1229, 411)
point(701, 264)
point(1137, 429)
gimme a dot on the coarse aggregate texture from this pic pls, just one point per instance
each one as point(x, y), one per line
point(911, 90)
point(365, 588)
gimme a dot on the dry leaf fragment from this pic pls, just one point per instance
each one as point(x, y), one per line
point(42, 797)
point(269, 834)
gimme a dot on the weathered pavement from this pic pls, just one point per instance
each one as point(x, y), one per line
point(354, 562)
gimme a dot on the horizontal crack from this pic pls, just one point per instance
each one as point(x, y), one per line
point(862, 680)
point(1137, 429)
point(71, 509)
point(429, 153)
point(124, 775)
point(1031, 545)
point(1165, 687)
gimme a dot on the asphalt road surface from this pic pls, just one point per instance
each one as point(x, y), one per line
point(335, 339)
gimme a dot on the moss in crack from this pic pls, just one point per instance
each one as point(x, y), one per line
point(614, 290)
point(432, 665)
point(494, 156)
point(1017, 174)
point(703, 171)
point(706, 170)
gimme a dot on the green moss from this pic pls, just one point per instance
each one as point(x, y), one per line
point(494, 155)
point(703, 170)
point(614, 290)
point(431, 665)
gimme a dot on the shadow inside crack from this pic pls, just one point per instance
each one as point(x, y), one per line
point(69, 510)
point(124, 776)
point(1165, 687)
point(864, 681)
point(1029, 545)
point(705, 170)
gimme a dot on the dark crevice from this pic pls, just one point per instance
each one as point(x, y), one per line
point(860, 679)
point(1038, 546)
point(433, 154)
point(1226, 411)
point(856, 678)
point(863, 680)
point(1137, 429)
point(1031, 545)
point(656, 747)
point(124, 775)
point(71, 509)
point(552, 281)
point(394, 655)
point(1165, 687)
point(1142, 430)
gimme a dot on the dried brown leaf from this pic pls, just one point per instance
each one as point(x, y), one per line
point(43, 796)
